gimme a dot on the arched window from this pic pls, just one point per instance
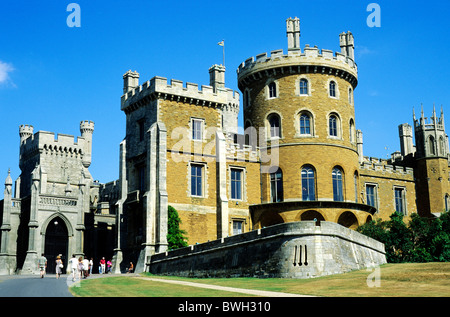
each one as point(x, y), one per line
point(338, 193)
point(352, 131)
point(333, 125)
point(447, 202)
point(276, 186)
point(272, 90)
point(308, 183)
point(274, 125)
point(303, 86)
point(350, 96)
point(355, 183)
point(305, 123)
point(431, 145)
point(332, 89)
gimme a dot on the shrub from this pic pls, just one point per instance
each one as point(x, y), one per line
point(175, 236)
point(422, 240)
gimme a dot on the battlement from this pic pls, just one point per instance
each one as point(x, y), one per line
point(237, 150)
point(311, 60)
point(25, 131)
point(43, 141)
point(158, 87)
point(86, 126)
point(382, 165)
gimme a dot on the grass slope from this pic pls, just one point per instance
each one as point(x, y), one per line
point(405, 280)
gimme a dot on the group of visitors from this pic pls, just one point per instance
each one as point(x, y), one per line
point(81, 267)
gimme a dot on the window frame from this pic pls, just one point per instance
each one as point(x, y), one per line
point(338, 183)
point(401, 200)
point(304, 114)
point(374, 195)
point(241, 172)
point(334, 128)
point(276, 181)
point(332, 89)
point(308, 183)
point(272, 90)
point(194, 135)
point(201, 177)
point(306, 83)
point(272, 129)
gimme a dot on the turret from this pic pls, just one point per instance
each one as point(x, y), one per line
point(217, 77)
point(130, 81)
point(293, 33)
point(25, 131)
point(347, 43)
point(87, 129)
point(406, 139)
point(431, 139)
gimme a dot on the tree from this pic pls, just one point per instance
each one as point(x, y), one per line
point(175, 236)
point(422, 240)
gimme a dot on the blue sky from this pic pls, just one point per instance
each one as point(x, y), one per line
point(53, 76)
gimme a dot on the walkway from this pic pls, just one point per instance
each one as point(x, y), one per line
point(226, 288)
point(49, 286)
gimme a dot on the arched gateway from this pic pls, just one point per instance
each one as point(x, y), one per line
point(56, 243)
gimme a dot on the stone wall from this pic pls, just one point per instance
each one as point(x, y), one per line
point(292, 250)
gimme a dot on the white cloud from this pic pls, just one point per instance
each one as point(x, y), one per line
point(5, 70)
point(363, 50)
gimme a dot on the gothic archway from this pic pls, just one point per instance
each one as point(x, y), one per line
point(56, 243)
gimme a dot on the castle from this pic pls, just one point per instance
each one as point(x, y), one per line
point(300, 159)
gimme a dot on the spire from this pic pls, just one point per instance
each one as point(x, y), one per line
point(8, 180)
point(422, 116)
point(442, 117)
point(434, 115)
point(414, 115)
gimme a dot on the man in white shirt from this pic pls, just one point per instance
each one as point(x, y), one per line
point(85, 267)
point(73, 263)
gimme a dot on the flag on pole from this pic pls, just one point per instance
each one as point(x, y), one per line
point(222, 43)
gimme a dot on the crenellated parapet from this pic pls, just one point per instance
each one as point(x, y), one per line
point(239, 151)
point(311, 60)
point(383, 166)
point(158, 87)
point(43, 142)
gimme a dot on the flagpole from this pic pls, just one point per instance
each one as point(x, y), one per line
point(223, 51)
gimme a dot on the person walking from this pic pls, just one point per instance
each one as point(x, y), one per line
point(91, 264)
point(59, 266)
point(85, 267)
point(74, 266)
point(42, 262)
point(80, 267)
point(108, 265)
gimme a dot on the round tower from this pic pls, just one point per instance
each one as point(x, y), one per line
point(25, 131)
point(87, 129)
point(301, 104)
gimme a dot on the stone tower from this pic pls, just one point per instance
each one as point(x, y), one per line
point(301, 105)
point(432, 160)
point(86, 130)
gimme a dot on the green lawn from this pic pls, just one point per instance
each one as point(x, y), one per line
point(405, 280)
